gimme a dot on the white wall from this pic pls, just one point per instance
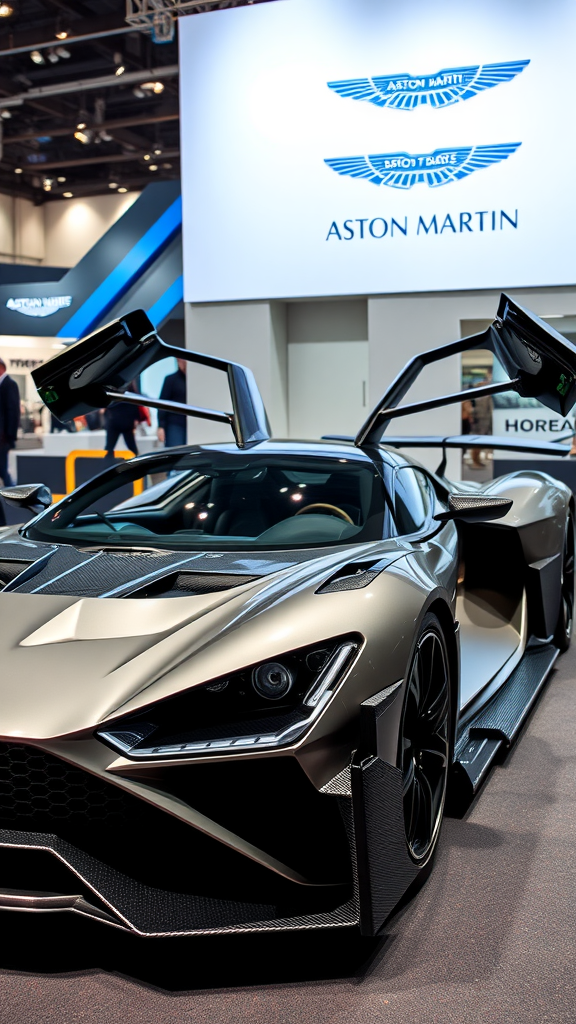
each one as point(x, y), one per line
point(21, 231)
point(253, 333)
point(73, 226)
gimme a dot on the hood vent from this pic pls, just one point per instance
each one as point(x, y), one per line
point(184, 584)
point(9, 570)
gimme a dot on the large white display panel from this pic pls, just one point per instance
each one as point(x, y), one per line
point(430, 171)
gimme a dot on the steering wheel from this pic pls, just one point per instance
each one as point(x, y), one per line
point(333, 510)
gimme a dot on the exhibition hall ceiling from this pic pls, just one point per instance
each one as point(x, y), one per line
point(89, 100)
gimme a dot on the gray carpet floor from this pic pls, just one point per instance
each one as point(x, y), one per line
point(491, 937)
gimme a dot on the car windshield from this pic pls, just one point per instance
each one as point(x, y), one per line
point(211, 500)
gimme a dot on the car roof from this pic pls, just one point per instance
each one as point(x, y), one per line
point(339, 450)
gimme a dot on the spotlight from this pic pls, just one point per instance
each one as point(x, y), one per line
point(84, 136)
point(146, 156)
point(52, 56)
point(62, 34)
point(166, 167)
point(153, 167)
point(157, 151)
point(156, 87)
point(138, 92)
point(6, 10)
point(47, 184)
point(67, 195)
point(62, 52)
point(17, 170)
point(122, 189)
point(81, 125)
point(61, 179)
point(105, 136)
point(37, 57)
point(112, 184)
point(120, 70)
point(5, 114)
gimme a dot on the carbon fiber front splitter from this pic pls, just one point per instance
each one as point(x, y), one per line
point(94, 889)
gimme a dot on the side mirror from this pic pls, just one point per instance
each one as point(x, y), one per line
point(474, 508)
point(35, 497)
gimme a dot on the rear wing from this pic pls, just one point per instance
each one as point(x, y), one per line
point(539, 361)
point(96, 370)
point(492, 441)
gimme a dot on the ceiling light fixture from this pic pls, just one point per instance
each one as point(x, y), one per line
point(157, 151)
point(146, 156)
point(122, 189)
point(47, 184)
point(62, 34)
point(156, 87)
point(84, 135)
point(37, 57)
point(5, 114)
point(153, 167)
point(52, 56)
point(6, 10)
point(67, 195)
point(137, 91)
point(81, 125)
point(112, 184)
point(61, 179)
point(63, 52)
point(17, 170)
point(120, 70)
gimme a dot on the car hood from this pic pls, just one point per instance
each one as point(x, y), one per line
point(70, 657)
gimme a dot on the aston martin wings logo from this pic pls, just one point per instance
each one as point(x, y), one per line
point(403, 170)
point(405, 92)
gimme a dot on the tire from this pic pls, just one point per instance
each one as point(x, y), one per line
point(424, 741)
point(563, 632)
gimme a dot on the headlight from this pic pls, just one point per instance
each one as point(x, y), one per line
point(263, 706)
point(272, 680)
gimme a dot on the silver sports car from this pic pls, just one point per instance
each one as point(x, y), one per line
point(242, 682)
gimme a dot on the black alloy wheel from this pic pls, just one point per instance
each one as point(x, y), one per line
point(425, 741)
point(563, 633)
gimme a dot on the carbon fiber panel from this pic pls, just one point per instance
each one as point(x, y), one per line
point(505, 713)
point(384, 866)
point(152, 911)
point(84, 573)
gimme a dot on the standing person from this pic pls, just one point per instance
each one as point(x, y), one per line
point(172, 425)
point(121, 418)
point(9, 420)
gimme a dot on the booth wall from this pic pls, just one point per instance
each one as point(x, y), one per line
point(57, 234)
point(72, 228)
point(22, 232)
point(261, 335)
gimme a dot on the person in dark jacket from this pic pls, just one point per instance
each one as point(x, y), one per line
point(121, 418)
point(9, 420)
point(172, 425)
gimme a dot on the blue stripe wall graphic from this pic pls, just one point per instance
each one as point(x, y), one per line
point(165, 304)
point(125, 273)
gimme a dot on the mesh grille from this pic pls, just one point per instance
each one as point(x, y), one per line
point(460, 502)
point(354, 582)
point(36, 787)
